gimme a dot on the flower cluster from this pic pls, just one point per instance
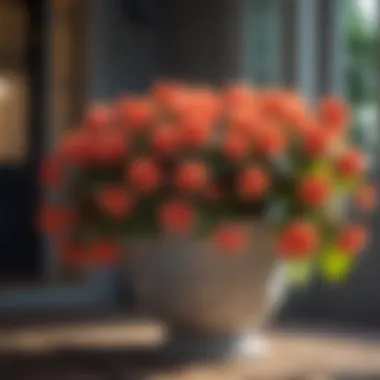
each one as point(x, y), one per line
point(193, 160)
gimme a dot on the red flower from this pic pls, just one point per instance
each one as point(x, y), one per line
point(181, 103)
point(253, 183)
point(353, 239)
point(273, 104)
point(76, 149)
point(351, 164)
point(270, 140)
point(239, 96)
point(191, 176)
point(195, 130)
point(208, 104)
point(315, 191)
point(74, 255)
point(298, 240)
point(115, 201)
point(335, 113)
point(231, 239)
point(99, 119)
point(165, 139)
point(55, 220)
point(104, 252)
point(110, 148)
point(51, 175)
point(300, 121)
point(317, 142)
point(244, 120)
point(136, 114)
point(235, 146)
point(199, 106)
point(177, 216)
point(366, 198)
point(287, 109)
point(144, 175)
point(165, 93)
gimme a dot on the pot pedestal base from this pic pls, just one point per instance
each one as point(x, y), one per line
point(190, 347)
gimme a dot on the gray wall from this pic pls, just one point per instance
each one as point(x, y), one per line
point(124, 57)
point(201, 41)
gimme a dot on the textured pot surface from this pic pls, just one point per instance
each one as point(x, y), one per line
point(191, 285)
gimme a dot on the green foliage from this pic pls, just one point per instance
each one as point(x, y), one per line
point(336, 265)
point(363, 47)
point(299, 272)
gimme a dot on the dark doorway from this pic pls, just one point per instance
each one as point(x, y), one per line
point(21, 256)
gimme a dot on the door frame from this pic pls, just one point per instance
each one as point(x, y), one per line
point(45, 130)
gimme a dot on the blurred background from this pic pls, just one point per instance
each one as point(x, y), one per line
point(59, 56)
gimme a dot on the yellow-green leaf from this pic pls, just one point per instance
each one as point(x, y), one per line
point(346, 185)
point(321, 167)
point(336, 265)
point(299, 272)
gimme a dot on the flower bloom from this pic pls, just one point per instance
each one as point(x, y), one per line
point(144, 175)
point(253, 183)
point(208, 104)
point(196, 114)
point(99, 119)
point(351, 164)
point(272, 103)
point(55, 220)
point(287, 109)
point(165, 139)
point(315, 191)
point(239, 96)
point(335, 113)
point(298, 240)
point(177, 216)
point(235, 146)
point(191, 176)
point(104, 252)
point(51, 176)
point(76, 149)
point(317, 142)
point(75, 255)
point(166, 93)
point(353, 239)
point(244, 120)
point(270, 140)
point(195, 130)
point(366, 198)
point(115, 201)
point(136, 114)
point(110, 148)
point(231, 239)
point(299, 121)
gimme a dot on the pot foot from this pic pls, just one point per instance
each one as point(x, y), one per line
point(183, 347)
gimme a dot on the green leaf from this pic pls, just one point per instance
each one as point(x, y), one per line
point(336, 265)
point(321, 167)
point(299, 272)
point(278, 210)
point(346, 185)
